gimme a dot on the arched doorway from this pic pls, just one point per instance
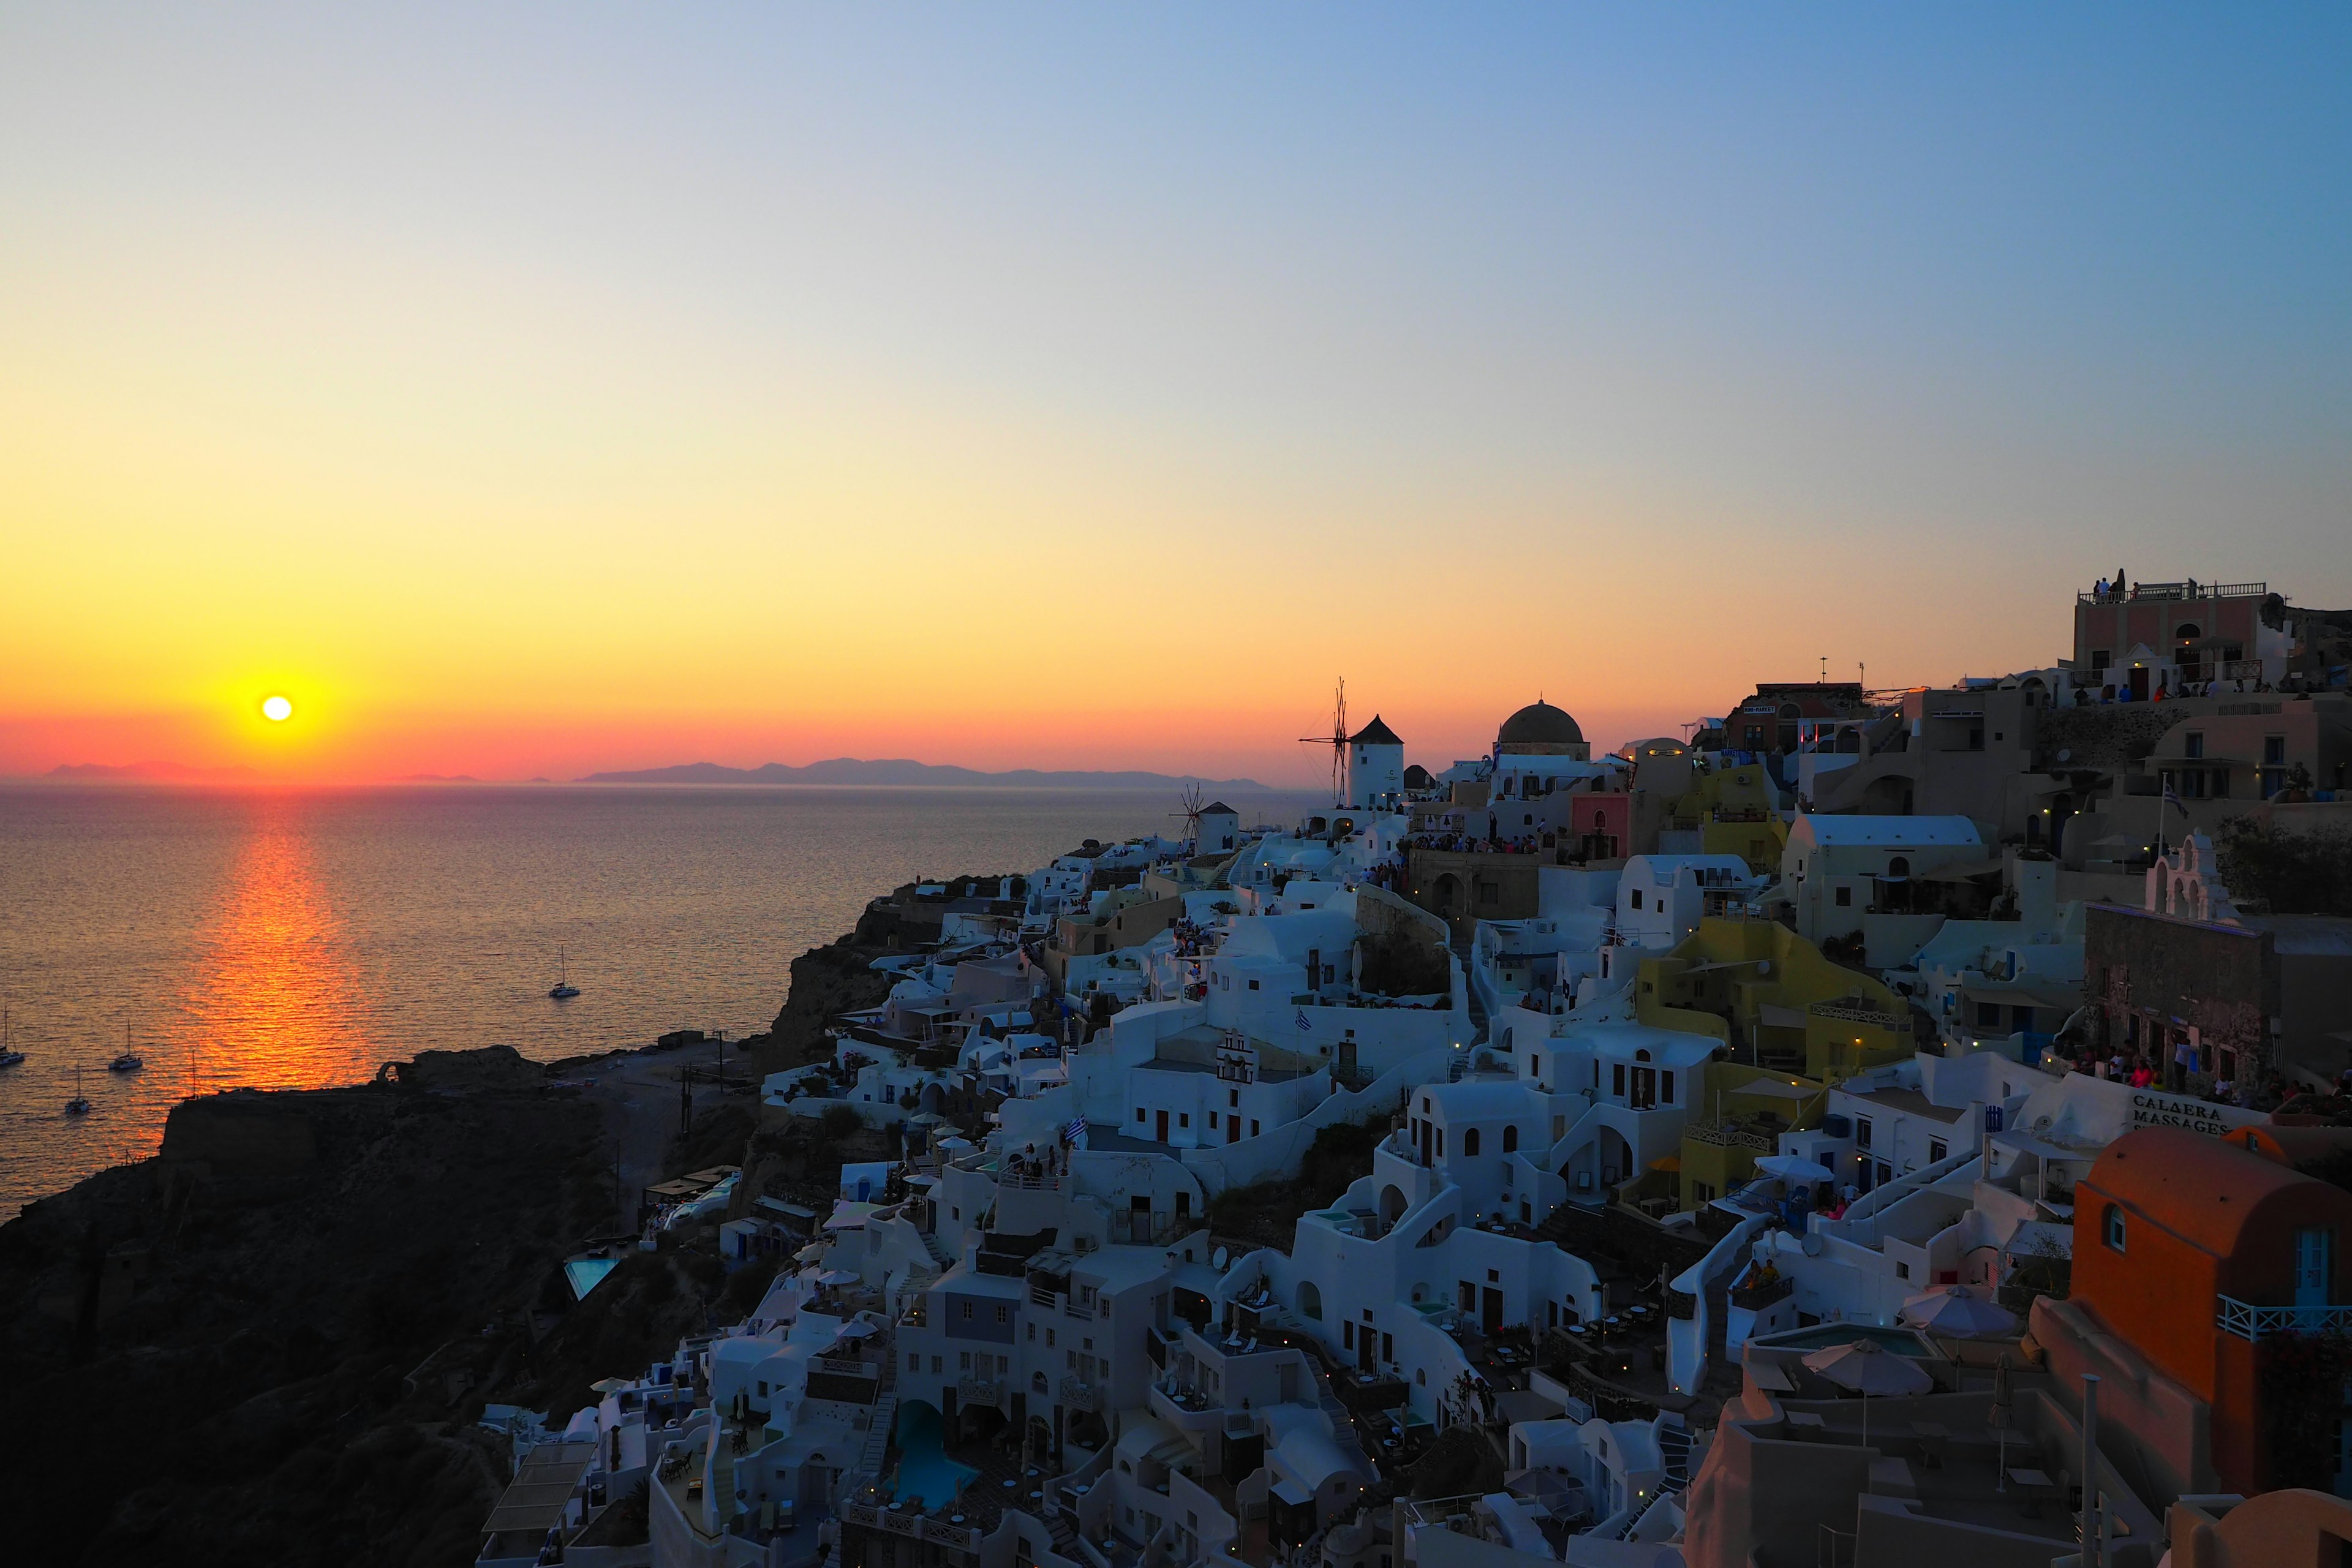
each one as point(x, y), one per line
point(1616, 1158)
point(1445, 894)
point(1310, 1301)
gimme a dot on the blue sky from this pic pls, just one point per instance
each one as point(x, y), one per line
point(1661, 350)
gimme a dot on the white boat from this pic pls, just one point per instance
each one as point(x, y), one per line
point(563, 989)
point(78, 1106)
point(129, 1060)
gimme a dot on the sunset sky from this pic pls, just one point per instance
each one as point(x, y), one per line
point(528, 391)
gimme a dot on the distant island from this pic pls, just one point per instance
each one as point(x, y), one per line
point(438, 778)
point(180, 772)
point(901, 770)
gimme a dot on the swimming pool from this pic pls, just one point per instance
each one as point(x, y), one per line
point(924, 1473)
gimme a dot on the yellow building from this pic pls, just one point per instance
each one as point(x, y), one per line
point(1793, 1022)
point(1731, 809)
point(1738, 1114)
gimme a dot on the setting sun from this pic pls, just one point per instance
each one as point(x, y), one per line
point(277, 710)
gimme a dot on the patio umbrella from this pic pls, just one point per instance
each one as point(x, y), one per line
point(2000, 1418)
point(1870, 1368)
point(836, 1277)
point(1956, 1311)
point(857, 1328)
point(1795, 1168)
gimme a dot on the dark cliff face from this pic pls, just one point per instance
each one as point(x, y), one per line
point(826, 982)
point(219, 1342)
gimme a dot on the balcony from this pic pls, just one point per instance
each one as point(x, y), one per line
point(1081, 1395)
point(2161, 592)
point(2249, 1322)
point(978, 1390)
point(1728, 1136)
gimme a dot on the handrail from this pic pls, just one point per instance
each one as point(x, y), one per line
point(2252, 1322)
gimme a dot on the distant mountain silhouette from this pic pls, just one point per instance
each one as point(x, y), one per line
point(901, 770)
point(180, 772)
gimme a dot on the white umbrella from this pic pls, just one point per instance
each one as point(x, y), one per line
point(1956, 1311)
point(1795, 1168)
point(857, 1328)
point(1870, 1368)
point(836, 1277)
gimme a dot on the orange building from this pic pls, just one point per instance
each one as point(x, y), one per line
point(2214, 1261)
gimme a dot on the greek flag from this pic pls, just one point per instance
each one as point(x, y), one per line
point(1303, 1022)
point(1075, 1130)
point(2173, 801)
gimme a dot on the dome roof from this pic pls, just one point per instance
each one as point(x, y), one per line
point(1540, 724)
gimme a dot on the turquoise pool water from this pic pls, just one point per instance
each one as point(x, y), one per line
point(586, 1273)
point(924, 1473)
point(1902, 1341)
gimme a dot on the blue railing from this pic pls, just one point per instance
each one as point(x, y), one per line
point(2249, 1322)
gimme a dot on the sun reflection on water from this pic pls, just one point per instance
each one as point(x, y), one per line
point(276, 1001)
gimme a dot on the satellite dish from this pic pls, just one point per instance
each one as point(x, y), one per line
point(1217, 1260)
point(2065, 754)
point(1814, 1245)
point(1763, 966)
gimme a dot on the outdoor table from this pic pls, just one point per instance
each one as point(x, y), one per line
point(2033, 1484)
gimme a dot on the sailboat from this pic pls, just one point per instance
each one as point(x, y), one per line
point(563, 989)
point(78, 1106)
point(129, 1060)
point(10, 1055)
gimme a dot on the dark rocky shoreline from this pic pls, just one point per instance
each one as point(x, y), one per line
point(273, 1341)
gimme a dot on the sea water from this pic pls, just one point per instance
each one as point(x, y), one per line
point(283, 937)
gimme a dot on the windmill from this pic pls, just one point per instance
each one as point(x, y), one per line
point(1338, 740)
point(1190, 801)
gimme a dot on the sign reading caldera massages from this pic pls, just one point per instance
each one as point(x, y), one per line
point(2151, 1109)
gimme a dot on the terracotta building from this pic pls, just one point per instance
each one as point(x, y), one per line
point(2206, 1269)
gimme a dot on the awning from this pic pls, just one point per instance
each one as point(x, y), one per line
point(1962, 871)
point(1773, 1015)
point(1773, 1088)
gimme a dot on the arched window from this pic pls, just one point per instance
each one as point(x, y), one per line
point(1510, 1139)
point(2111, 1226)
point(1310, 1300)
point(1642, 1056)
point(1470, 1142)
point(1899, 866)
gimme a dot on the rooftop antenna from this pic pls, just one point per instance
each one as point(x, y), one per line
point(1825, 669)
point(1336, 741)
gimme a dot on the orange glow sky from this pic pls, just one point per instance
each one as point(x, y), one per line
point(565, 391)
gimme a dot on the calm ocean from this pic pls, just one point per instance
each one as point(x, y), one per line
point(298, 937)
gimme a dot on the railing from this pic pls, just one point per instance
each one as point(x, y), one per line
point(845, 1366)
point(1083, 1395)
point(1755, 1298)
point(1855, 1014)
point(2249, 1322)
point(1728, 1136)
point(977, 1390)
point(2160, 592)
